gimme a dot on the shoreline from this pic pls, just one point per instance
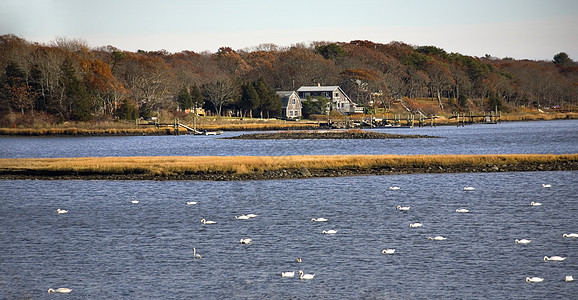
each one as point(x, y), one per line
point(274, 168)
point(297, 126)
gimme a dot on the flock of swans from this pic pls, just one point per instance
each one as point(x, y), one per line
point(386, 251)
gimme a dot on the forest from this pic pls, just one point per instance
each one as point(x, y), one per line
point(66, 80)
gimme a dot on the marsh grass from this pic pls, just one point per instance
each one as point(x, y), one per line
point(82, 131)
point(171, 165)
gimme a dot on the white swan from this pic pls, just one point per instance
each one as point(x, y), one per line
point(534, 279)
point(62, 211)
point(191, 202)
point(247, 241)
point(60, 290)
point(331, 231)
point(469, 188)
point(298, 259)
point(554, 258)
point(388, 251)
point(437, 238)
point(288, 274)
point(535, 203)
point(242, 217)
point(208, 222)
point(415, 225)
point(399, 207)
point(133, 200)
point(319, 220)
point(195, 255)
point(546, 185)
point(305, 276)
point(570, 235)
point(462, 210)
point(569, 278)
point(394, 188)
point(522, 241)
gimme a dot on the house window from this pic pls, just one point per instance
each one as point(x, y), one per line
point(293, 101)
point(291, 113)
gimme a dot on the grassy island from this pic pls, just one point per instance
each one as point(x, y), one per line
point(274, 167)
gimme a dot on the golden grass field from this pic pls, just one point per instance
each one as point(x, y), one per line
point(171, 165)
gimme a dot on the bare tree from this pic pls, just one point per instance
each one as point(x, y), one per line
point(220, 90)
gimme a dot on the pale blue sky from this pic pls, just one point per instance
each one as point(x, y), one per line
point(522, 29)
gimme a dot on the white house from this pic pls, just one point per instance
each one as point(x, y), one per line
point(339, 100)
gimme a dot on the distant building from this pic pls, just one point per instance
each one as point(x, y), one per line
point(291, 104)
point(339, 100)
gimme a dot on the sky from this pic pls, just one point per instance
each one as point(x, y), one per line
point(520, 29)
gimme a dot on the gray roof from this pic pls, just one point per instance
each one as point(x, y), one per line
point(316, 88)
point(284, 94)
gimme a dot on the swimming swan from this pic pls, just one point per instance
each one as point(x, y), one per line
point(415, 225)
point(208, 222)
point(570, 235)
point(305, 276)
point(60, 290)
point(191, 202)
point(462, 210)
point(546, 185)
point(330, 231)
point(246, 241)
point(399, 207)
point(569, 278)
point(394, 188)
point(319, 220)
point(522, 241)
point(469, 188)
point(195, 255)
point(242, 217)
point(388, 251)
point(534, 279)
point(535, 203)
point(288, 274)
point(437, 238)
point(134, 201)
point(554, 258)
point(62, 211)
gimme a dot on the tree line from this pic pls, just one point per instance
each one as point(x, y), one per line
point(67, 80)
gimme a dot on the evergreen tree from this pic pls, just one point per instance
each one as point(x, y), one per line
point(77, 97)
point(184, 99)
point(127, 110)
point(196, 97)
point(562, 59)
point(270, 103)
point(249, 98)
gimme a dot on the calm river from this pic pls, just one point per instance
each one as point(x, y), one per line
point(106, 247)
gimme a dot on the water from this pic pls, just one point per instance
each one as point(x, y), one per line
point(557, 137)
point(106, 247)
